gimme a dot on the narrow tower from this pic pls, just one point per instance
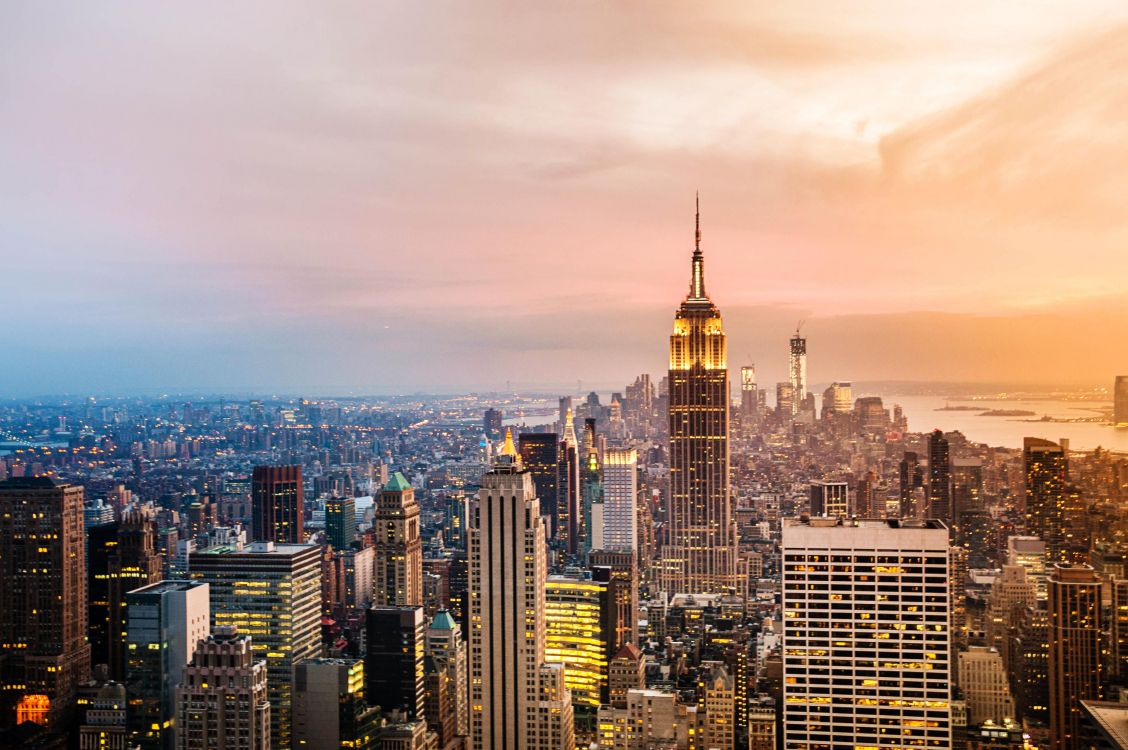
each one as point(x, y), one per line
point(700, 556)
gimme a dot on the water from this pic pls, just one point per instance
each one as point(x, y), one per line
point(1008, 432)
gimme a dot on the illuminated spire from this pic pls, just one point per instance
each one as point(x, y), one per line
point(570, 429)
point(697, 284)
point(507, 448)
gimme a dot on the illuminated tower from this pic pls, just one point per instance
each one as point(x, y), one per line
point(568, 516)
point(939, 478)
point(340, 522)
point(1047, 467)
point(517, 700)
point(700, 556)
point(399, 548)
point(1076, 668)
point(797, 370)
point(748, 393)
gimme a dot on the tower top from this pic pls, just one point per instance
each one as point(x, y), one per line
point(697, 281)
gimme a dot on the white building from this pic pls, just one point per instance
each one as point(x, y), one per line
point(620, 487)
point(517, 700)
point(866, 634)
point(983, 680)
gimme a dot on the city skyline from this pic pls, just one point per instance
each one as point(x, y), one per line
point(304, 211)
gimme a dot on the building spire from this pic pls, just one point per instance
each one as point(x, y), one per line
point(697, 284)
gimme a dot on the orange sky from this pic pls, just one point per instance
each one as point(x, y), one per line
point(444, 196)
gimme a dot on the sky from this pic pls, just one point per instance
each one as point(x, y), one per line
point(363, 198)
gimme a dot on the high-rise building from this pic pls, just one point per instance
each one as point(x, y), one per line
point(1075, 666)
point(340, 521)
point(700, 556)
point(619, 570)
point(939, 478)
point(911, 479)
point(165, 622)
point(43, 613)
point(104, 725)
point(1120, 401)
point(749, 393)
point(540, 453)
point(716, 707)
point(625, 672)
point(787, 404)
point(447, 698)
point(221, 701)
point(830, 499)
point(491, 423)
point(272, 593)
point(123, 557)
point(1047, 470)
point(569, 527)
point(577, 624)
point(620, 490)
point(866, 615)
point(329, 705)
point(983, 683)
point(591, 483)
point(278, 505)
point(517, 700)
point(838, 398)
point(399, 547)
point(797, 369)
point(394, 673)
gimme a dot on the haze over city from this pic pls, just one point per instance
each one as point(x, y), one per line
point(439, 197)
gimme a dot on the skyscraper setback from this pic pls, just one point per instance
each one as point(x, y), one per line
point(700, 556)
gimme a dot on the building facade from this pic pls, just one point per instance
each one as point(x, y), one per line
point(399, 547)
point(278, 505)
point(221, 702)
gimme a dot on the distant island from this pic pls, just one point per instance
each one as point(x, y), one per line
point(1008, 413)
point(959, 408)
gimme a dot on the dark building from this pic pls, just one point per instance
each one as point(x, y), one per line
point(278, 504)
point(42, 602)
point(912, 478)
point(939, 478)
point(340, 521)
point(540, 457)
point(491, 423)
point(123, 557)
point(1047, 470)
point(619, 570)
point(393, 666)
point(569, 518)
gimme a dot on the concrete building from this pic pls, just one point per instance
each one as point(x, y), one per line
point(399, 548)
point(517, 700)
point(620, 490)
point(329, 705)
point(394, 674)
point(43, 610)
point(447, 699)
point(165, 622)
point(221, 703)
point(272, 593)
point(626, 672)
point(866, 614)
point(983, 683)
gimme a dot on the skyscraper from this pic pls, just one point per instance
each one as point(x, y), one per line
point(394, 662)
point(272, 593)
point(620, 571)
point(123, 557)
point(578, 632)
point(620, 488)
point(517, 700)
point(447, 700)
point(540, 453)
point(939, 478)
point(749, 395)
point(491, 423)
point(329, 705)
point(1120, 401)
point(278, 504)
point(569, 525)
point(797, 370)
point(221, 701)
point(866, 616)
point(42, 601)
point(911, 479)
point(700, 556)
point(1076, 668)
point(830, 499)
point(340, 521)
point(166, 621)
point(399, 547)
point(1047, 468)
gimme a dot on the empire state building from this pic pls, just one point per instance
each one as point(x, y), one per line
point(700, 555)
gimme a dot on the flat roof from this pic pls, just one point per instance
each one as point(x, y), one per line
point(1112, 718)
